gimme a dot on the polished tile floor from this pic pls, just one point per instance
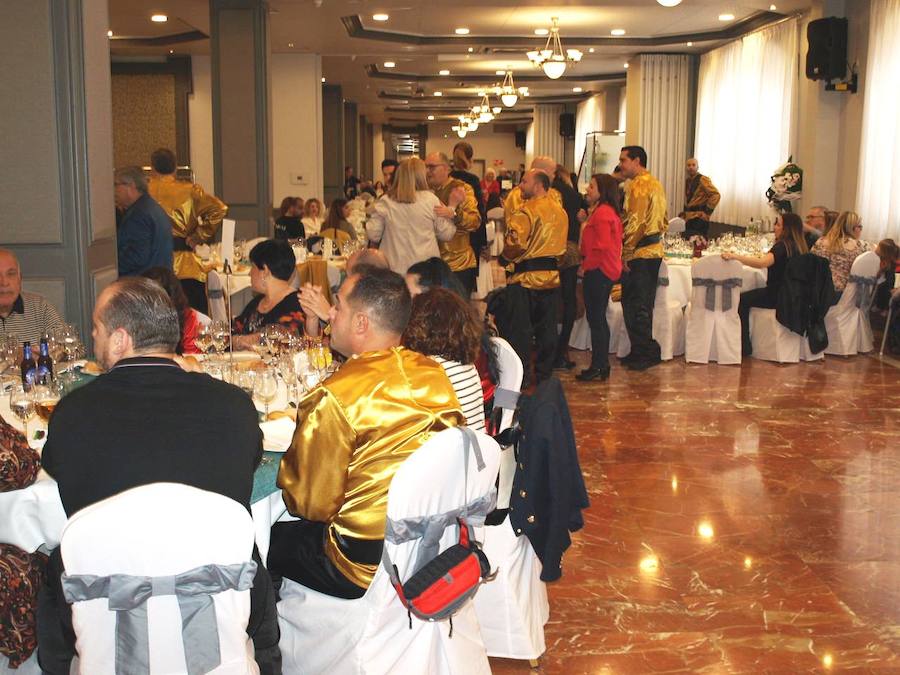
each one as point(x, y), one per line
point(742, 520)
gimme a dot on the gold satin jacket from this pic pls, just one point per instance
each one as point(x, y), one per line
point(538, 229)
point(514, 201)
point(193, 213)
point(645, 216)
point(457, 252)
point(353, 432)
point(700, 197)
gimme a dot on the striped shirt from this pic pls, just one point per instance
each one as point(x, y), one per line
point(31, 317)
point(467, 385)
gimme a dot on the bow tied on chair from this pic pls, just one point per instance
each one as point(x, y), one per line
point(726, 284)
point(193, 589)
point(865, 288)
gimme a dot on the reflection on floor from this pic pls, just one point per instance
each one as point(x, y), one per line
point(743, 520)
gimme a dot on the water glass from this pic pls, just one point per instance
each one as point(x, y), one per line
point(21, 402)
point(265, 388)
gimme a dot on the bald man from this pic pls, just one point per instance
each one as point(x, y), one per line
point(25, 315)
point(700, 199)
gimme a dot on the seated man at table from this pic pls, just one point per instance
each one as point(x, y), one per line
point(139, 423)
point(25, 315)
point(353, 432)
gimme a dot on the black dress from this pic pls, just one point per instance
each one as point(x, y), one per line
point(289, 227)
point(287, 313)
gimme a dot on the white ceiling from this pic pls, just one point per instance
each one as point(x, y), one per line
point(492, 23)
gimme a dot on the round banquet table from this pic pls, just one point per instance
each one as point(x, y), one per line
point(680, 279)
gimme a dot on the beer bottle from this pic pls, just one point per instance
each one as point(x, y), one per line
point(27, 366)
point(45, 361)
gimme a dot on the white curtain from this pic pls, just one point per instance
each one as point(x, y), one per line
point(745, 103)
point(878, 192)
point(588, 118)
point(547, 140)
point(665, 114)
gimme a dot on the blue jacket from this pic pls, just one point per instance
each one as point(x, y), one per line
point(144, 238)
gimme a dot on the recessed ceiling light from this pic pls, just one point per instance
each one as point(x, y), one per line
point(617, 31)
point(109, 33)
point(438, 93)
point(323, 79)
point(577, 90)
point(499, 72)
point(669, 3)
point(625, 65)
point(772, 8)
point(171, 51)
point(431, 118)
point(444, 72)
point(462, 31)
point(690, 44)
point(591, 50)
point(159, 18)
point(726, 17)
point(471, 49)
point(380, 17)
point(389, 64)
point(541, 31)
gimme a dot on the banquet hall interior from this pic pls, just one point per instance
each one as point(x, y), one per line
point(744, 510)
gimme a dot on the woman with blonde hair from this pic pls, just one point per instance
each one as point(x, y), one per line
point(840, 246)
point(404, 220)
point(313, 216)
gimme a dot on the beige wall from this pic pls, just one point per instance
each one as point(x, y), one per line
point(377, 151)
point(488, 145)
point(200, 122)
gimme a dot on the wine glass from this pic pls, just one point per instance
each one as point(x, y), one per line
point(45, 396)
point(68, 336)
point(204, 339)
point(288, 373)
point(220, 333)
point(21, 402)
point(265, 388)
point(245, 379)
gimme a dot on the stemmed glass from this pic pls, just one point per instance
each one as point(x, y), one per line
point(45, 396)
point(220, 333)
point(68, 336)
point(204, 338)
point(21, 402)
point(9, 350)
point(288, 373)
point(265, 388)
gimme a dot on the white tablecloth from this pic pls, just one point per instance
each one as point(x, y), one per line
point(680, 280)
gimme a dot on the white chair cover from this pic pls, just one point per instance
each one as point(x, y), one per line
point(202, 319)
point(250, 243)
point(159, 530)
point(714, 335)
point(847, 323)
point(506, 396)
point(29, 667)
point(668, 321)
point(484, 282)
point(513, 608)
point(616, 321)
point(323, 634)
point(581, 334)
point(215, 296)
point(32, 516)
point(676, 225)
point(773, 342)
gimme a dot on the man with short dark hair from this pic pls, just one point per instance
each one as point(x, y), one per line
point(195, 216)
point(535, 239)
point(144, 236)
point(642, 251)
point(700, 199)
point(351, 183)
point(100, 443)
point(26, 315)
point(388, 167)
point(353, 432)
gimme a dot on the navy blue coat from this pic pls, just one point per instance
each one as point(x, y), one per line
point(144, 238)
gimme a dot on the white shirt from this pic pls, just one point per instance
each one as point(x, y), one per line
point(467, 385)
point(409, 233)
point(312, 225)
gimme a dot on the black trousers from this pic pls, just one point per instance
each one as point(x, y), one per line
point(538, 326)
point(297, 551)
point(568, 284)
point(696, 226)
point(56, 637)
point(196, 294)
point(638, 296)
point(467, 279)
point(597, 286)
point(758, 297)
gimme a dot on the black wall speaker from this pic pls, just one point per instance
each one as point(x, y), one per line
point(826, 58)
point(567, 125)
point(520, 139)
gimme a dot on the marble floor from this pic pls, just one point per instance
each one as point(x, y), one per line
point(742, 520)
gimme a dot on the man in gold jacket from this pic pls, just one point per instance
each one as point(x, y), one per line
point(459, 205)
point(535, 239)
point(700, 199)
point(353, 432)
point(196, 217)
point(645, 224)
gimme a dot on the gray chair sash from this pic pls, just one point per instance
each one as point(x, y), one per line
point(431, 528)
point(662, 281)
point(128, 597)
point(864, 291)
point(215, 293)
point(506, 398)
point(710, 284)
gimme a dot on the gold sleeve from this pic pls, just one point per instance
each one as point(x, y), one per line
point(518, 232)
point(313, 472)
point(712, 194)
point(467, 217)
point(209, 211)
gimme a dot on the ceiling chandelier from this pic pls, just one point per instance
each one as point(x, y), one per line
point(507, 90)
point(552, 59)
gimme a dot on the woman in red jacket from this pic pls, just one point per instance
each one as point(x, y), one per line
point(601, 250)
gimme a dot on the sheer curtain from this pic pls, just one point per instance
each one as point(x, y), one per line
point(665, 126)
point(744, 114)
point(878, 192)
